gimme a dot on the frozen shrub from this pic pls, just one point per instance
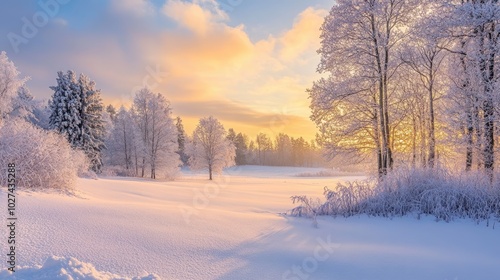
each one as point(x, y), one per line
point(43, 159)
point(435, 192)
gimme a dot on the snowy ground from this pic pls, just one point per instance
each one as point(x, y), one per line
point(233, 228)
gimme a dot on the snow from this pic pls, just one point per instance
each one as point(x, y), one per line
point(233, 228)
point(68, 268)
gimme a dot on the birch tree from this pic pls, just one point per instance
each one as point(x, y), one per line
point(358, 50)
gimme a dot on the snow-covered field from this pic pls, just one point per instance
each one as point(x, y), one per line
point(233, 228)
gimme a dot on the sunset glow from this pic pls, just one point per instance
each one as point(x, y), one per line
point(208, 57)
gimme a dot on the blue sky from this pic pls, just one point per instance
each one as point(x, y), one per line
point(247, 62)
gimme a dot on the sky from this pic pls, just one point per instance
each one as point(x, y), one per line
point(246, 62)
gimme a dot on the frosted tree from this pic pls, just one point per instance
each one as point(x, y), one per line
point(472, 25)
point(359, 50)
point(283, 149)
point(66, 108)
point(210, 148)
point(264, 147)
point(158, 132)
point(124, 142)
point(240, 143)
point(425, 58)
point(76, 112)
point(111, 110)
point(92, 124)
point(10, 82)
point(41, 114)
point(23, 104)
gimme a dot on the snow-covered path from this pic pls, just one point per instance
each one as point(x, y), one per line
point(233, 229)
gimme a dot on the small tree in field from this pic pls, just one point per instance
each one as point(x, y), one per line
point(210, 148)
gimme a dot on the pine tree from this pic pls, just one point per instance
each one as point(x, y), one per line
point(66, 108)
point(76, 112)
point(93, 131)
point(112, 112)
point(181, 140)
point(241, 149)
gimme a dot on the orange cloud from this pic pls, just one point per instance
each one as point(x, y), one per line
point(193, 16)
point(304, 35)
point(216, 66)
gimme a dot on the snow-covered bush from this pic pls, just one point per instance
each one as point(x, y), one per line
point(43, 159)
point(435, 192)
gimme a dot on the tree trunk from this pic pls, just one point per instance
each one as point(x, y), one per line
point(381, 101)
point(414, 142)
point(487, 67)
point(143, 165)
point(469, 150)
point(432, 136)
point(126, 148)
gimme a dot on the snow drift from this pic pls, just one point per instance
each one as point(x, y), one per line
point(68, 269)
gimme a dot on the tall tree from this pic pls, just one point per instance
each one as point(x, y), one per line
point(473, 27)
point(359, 50)
point(283, 146)
point(158, 131)
point(241, 149)
point(124, 143)
point(92, 124)
point(111, 110)
point(76, 112)
point(66, 108)
point(264, 147)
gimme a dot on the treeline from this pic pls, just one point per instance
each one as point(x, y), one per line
point(282, 150)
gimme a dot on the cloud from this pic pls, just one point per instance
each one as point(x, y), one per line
point(304, 35)
point(199, 16)
point(214, 67)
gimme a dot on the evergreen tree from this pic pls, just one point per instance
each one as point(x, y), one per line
point(241, 149)
point(66, 108)
point(239, 141)
point(76, 112)
point(181, 140)
point(93, 131)
point(231, 135)
point(112, 112)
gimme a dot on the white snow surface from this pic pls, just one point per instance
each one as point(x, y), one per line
point(120, 228)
